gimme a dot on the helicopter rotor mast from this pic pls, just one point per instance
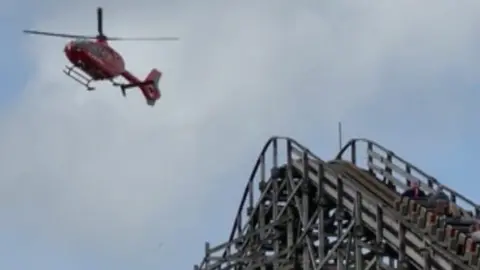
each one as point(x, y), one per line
point(100, 36)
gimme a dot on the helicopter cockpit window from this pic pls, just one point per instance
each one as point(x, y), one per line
point(80, 42)
point(96, 50)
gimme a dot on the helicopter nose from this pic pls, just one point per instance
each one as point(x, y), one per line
point(68, 47)
point(68, 50)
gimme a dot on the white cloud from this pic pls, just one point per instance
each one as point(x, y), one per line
point(99, 171)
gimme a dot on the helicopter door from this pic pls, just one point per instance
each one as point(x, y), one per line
point(96, 51)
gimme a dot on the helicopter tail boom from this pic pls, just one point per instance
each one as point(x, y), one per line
point(149, 86)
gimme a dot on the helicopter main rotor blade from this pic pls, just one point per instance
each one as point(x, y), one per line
point(100, 21)
point(33, 32)
point(146, 39)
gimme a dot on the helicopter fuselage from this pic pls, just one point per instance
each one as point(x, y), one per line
point(95, 58)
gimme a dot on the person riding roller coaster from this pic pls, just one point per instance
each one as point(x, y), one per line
point(414, 192)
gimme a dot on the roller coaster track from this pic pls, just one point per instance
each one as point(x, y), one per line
point(342, 214)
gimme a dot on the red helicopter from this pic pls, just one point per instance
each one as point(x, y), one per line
point(93, 56)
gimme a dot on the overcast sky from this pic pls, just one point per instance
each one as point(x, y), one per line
point(90, 180)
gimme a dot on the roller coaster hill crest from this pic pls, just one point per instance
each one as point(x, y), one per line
point(301, 212)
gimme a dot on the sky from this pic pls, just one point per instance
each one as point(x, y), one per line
point(91, 180)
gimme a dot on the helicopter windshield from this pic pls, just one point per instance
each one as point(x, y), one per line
point(80, 42)
point(93, 48)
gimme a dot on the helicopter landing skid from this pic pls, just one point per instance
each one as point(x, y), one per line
point(78, 77)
